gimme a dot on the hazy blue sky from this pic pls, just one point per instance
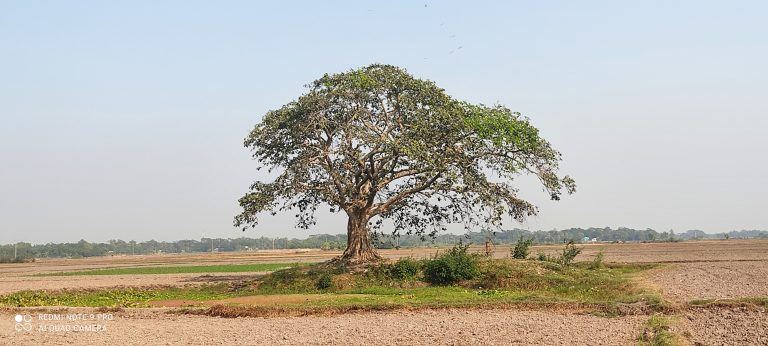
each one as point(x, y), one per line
point(126, 119)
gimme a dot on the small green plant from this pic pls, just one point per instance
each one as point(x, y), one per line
point(404, 269)
point(656, 332)
point(451, 267)
point(570, 251)
point(520, 250)
point(597, 263)
point(324, 282)
point(543, 257)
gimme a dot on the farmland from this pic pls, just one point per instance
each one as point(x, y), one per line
point(713, 292)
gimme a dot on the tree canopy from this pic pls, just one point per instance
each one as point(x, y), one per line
point(377, 143)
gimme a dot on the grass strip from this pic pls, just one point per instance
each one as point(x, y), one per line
point(225, 268)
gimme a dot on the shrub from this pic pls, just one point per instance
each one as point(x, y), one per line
point(324, 282)
point(597, 263)
point(521, 248)
point(404, 268)
point(15, 260)
point(455, 265)
point(569, 253)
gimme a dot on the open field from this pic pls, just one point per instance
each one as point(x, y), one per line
point(719, 271)
point(431, 327)
point(223, 268)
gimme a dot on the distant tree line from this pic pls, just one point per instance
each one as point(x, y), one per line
point(606, 234)
point(21, 251)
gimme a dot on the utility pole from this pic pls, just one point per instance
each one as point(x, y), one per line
point(211, 245)
point(273, 243)
point(15, 250)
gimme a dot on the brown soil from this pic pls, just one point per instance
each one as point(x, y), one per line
point(432, 327)
point(713, 280)
point(727, 326)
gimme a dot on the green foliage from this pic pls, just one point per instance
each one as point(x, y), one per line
point(376, 142)
point(15, 260)
point(325, 281)
point(405, 269)
point(520, 251)
point(118, 297)
point(451, 267)
point(656, 332)
point(569, 253)
point(597, 263)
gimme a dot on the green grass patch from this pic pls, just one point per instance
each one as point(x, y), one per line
point(503, 281)
point(119, 297)
point(499, 282)
point(225, 268)
point(656, 332)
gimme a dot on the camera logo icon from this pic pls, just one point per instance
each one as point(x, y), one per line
point(23, 323)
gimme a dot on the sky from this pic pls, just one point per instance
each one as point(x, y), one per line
point(125, 119)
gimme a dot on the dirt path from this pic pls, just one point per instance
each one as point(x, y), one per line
point(443, 327)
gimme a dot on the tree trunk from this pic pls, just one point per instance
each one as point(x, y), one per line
point(359, 247)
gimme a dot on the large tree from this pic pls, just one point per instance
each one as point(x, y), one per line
point(379, 144)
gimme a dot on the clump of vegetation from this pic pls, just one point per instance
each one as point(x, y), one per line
point(567, 256)
point(405, 269)
point(597, 262)
point(656, 332)
point(496, 281)
point(11, 260)
point(520, 251)
point(570, 251)
point(455, 265)
point(325, 281)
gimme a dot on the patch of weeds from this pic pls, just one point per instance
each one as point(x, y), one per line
point(325, 282)
point(520, 251)
point(117, 297)
point(597, 262)
point(569, 253)
point(656, 332)
point(492, 293)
